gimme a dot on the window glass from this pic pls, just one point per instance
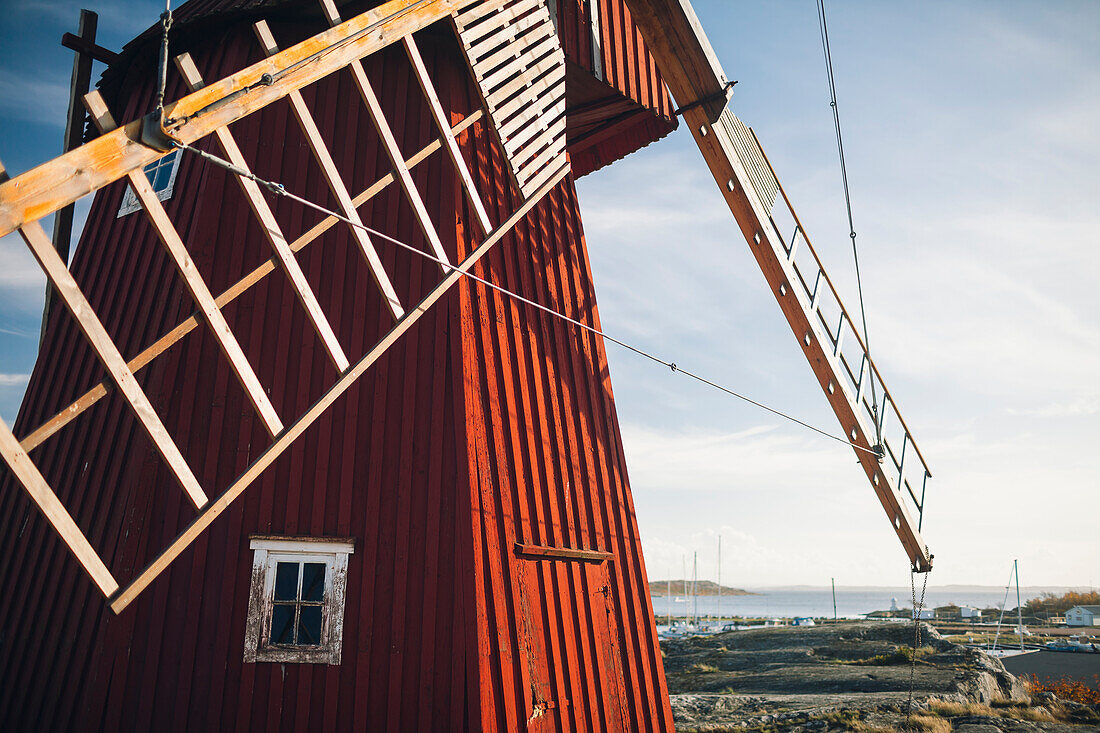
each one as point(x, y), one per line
point(309, 626)
point(282, 624)
point(286, 581)
point(313, 581)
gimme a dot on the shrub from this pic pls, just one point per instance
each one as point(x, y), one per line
point(1067, 689)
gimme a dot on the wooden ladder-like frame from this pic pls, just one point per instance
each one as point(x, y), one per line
point(209, 109)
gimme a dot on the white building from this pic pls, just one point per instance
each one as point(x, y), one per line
point(968, 612)
point(1083, 616)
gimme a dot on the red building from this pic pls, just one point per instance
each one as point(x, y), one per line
point(453, 543)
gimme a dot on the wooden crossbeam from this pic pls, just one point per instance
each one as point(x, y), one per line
point(46, 188)
point(272, 231)
point(50, 427)
point(100, 341)
point(127, 595)
point(51, 507)
point(444, 126)
point(211, 313)
point(335, 182)
point(397, 159)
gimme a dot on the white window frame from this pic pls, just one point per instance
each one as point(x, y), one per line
point(130, 204)
point(269, 552)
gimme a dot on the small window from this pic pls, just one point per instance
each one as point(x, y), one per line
point(162, 177)
point(296, 605)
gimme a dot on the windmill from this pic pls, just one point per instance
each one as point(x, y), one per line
point(294, 424)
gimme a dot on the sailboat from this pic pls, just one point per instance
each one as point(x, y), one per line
point(1004, 652)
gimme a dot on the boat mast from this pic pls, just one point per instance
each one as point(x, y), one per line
point(694, 595)
point(719, 578)
point(668, 592)
point(1019, 612)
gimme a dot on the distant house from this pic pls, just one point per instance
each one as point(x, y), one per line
point(1083, 616)
point(968, 612)
point(927, 614)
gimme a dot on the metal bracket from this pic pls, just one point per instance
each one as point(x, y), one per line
point(725, 95)
point(153, 133)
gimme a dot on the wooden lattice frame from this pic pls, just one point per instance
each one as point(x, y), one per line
point(119, 153)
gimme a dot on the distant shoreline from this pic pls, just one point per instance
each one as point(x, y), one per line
point(680, 588)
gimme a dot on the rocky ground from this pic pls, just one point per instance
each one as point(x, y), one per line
point(853, 676)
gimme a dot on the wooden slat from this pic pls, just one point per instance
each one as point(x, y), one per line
point(121, 600)
point(145, 194)
point(521, 64)
point(495, 48)
point(523, 156)
point(335, 182)
point(65, 179)
point(272, 231)
point(23, 468)
point(165, 342)
point(534, 105)
point(65, 286)
point(534, 136)
point(449, 142)
point(519, 67)
point(543, 552)
point(480, 10)
point(546, 75)
point(547, 161)
point(393, 150)
point(500, 17)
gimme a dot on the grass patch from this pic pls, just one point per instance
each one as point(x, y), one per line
point(927, 724)
point(702, 668)
point(901, 655)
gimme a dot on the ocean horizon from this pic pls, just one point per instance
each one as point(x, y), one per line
point(850, 602)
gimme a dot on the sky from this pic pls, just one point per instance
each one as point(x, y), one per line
point(972, 134)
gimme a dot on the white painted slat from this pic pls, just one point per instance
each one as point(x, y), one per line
point(517, 62)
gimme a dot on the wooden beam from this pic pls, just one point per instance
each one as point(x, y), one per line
point(105, 348)
point(335, 182)
point(74, 134)
point(168, 235)
point(46, 188)
point(23, 468)
point(87, 46)
point(272, 231)
point(43, 432)
point(287, 438)
point(672, 32)
point(444, 126)
point(541, 552)
point(397, 159)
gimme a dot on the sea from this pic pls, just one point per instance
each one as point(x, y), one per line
point(818, 602)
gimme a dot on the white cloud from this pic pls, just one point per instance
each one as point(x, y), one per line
point(14, 380)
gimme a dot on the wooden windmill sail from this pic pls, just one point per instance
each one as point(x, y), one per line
point(256, 424)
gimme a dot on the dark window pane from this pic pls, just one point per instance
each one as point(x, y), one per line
point(286, 581)
point(313, 581)
point(151, 171)
point(309, 625)
point(282, 624)
point(163, 174)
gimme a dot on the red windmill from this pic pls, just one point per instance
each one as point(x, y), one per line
point(325, 475)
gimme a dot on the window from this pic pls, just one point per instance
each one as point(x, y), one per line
point(296, 605)
point(162, 177)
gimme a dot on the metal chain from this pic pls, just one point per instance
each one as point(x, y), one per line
point(166, 25)
point(917, 608)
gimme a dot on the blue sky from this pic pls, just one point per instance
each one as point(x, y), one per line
point(973, 145)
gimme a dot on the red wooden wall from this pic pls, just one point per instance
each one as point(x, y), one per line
point(485, 425)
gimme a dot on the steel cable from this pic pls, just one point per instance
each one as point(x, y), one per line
point(280, 190)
